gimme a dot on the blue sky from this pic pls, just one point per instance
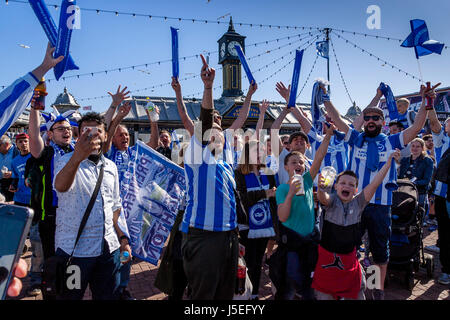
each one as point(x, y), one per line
point(106, 41)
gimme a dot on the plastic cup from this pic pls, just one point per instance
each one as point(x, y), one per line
point(301, 189)
point(328, 173)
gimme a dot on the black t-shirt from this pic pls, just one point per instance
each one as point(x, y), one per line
point(167, 152)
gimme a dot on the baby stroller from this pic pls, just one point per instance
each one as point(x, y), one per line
point(406, 243)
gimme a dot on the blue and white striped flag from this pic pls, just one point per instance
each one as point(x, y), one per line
point(322, 49)
point(14, 100)
point(317, 98)
point(175, 141)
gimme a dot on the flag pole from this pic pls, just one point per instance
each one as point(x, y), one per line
point(420, 71)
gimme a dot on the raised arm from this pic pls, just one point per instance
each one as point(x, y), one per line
point(117, 99)
point(123, 111)
point(48, 63)
point(207, 74)
point(435, 125)
point(243, 114)
point(419, 122)
point(321, 152)
point(301, 117)
point(154, 131)
point(36, 142)
point(371, 188)
point(322, 194)
point(185, 119)
point(275, 128)
point(259, 125)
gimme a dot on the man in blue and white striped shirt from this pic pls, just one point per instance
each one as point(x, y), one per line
point(441, 139)
point(210, 243)
point(369, 152)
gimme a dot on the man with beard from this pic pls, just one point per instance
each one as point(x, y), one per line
point(370, 150)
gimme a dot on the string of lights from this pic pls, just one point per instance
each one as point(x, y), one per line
point(168, 18)
point(309, 75)
point(120, 69)
point(151, 88)
point(125, 68)
point(308, 43)
point(376, 57)
point(340, 72)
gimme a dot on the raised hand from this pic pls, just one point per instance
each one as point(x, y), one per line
point(87, 143)
point(124, 110)
point(49, 62)
point(253, 87)
point(176, 86)
point(207, 74)
point(264, 106)
point(283, 91)
point(119, 96)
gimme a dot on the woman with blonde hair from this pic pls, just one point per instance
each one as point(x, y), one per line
point(418, 168)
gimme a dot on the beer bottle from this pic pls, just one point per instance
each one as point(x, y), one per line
point(41, 89)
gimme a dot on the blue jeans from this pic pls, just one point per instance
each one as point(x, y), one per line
point(377, 220)
point(101, 273)
point(124, 274)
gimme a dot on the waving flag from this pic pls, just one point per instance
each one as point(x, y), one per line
point(14, 99)
point(420, 40)
point(317, 98)
point(390, 101)
point(151, 193)
point(322, 49)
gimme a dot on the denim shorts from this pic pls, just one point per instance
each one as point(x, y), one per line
point(376, 219)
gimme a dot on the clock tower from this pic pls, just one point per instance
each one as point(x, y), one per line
point(231, 65)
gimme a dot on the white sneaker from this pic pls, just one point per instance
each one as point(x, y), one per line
point(433, 248)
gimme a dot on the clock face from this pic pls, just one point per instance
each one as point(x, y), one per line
point(231, 48)
point(222, 50)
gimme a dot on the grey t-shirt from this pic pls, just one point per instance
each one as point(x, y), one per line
point(345, 214)
point(340, 224)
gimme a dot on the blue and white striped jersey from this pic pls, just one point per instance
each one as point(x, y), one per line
point(357, 163)
point(337, 154)
point(210, 199)
point(441, 144)
point(14, 99)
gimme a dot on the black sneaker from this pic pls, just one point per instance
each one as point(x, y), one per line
point(126, 295)
point(378, 294)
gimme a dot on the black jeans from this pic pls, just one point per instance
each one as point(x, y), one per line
point(443, 221)
point(254, 253)
point(47, 229)
point(210, 263)
point(4, 188)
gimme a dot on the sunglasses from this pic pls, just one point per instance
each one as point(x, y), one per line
point(62, 129)
point(374, 118)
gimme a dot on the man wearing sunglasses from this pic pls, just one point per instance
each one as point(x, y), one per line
point(370, 149)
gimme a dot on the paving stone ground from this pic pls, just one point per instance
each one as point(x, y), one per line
point(143, 275)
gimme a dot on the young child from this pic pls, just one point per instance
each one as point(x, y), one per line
point(298, 231)
point(338, 273)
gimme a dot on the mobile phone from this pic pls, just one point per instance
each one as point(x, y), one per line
point(93, 130)
point(15, 222)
